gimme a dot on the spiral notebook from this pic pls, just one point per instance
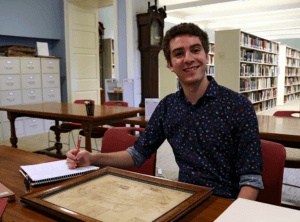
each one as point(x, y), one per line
point(53, 171)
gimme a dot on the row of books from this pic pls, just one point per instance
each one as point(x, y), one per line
point(292, 89)
point(211, 59)
point(292, 80)
point(256, 43)
point(291, 97)
point(292, 62)
point(292, 53)
point(257, 84)
point(265, 105)
point(211, 48)
point(292, 72)
point(258, 70)
point(259, 57)
point(210, 70)
point(259, 96)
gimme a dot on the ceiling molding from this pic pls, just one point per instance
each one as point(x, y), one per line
point(241, 12)
point(194, 4)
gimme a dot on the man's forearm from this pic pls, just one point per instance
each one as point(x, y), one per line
point(248, 192)
point(120, 159)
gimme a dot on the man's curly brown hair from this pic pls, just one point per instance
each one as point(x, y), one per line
point(183, 29)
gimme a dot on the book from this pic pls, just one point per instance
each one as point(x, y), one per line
point(3, 204)
point(6, 193)
point(52, 172)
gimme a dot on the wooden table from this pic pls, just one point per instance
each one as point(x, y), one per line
point(69, 112)
point(10, 161)
point(137, 120)
point(284, 130)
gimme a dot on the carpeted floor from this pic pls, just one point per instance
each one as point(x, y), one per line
point(166, 160)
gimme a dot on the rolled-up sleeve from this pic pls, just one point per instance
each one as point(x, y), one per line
point(136, 156)
point(253, 180)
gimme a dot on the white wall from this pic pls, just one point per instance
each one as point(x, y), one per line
point(106, 16)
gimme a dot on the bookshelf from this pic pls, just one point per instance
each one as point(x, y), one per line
point(247, 64)
point(108, 59)
point(289, 78)
point(210, 69)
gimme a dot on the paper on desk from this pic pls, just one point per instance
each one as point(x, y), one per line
point(253, 211)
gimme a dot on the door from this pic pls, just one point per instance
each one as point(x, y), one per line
point(82, 47)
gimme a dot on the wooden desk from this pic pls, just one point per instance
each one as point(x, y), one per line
point(284, 130)
point(69, 112)
point(10, 161)
point(137, 120)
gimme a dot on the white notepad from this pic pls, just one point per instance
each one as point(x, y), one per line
point(53, 171)
point(251, 211)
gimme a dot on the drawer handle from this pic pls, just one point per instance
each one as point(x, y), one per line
point(31, 82)
point(8, 67)
point(34, 125)
point(9, 83)
point(31, 97)
point(11, 99)
point(50, 67)
point(30, 67)
point(50, 81)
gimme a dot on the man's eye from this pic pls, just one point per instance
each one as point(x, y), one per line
point(178, 54)
point(196, 50)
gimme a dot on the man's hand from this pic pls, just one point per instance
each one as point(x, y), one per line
point(80, 159)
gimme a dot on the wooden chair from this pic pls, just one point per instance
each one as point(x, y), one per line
point(286, 113)
point(274, 155)
point(118, 139)
point(67, 127)
point(98, 132)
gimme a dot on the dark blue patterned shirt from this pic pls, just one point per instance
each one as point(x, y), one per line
point(216, 141)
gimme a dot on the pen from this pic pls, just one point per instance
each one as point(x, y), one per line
point(78, 145)
point(79, 141)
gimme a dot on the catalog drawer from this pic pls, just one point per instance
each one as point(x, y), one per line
point(51, 94)
point(50, 66)
point(10, 82)
point(30, 65)
point(33, 126)
point(9, 65)
point(11, 98)
point(32, 81)
point(31, 96)
point(51, 80)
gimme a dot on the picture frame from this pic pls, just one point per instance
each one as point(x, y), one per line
point(112, 194)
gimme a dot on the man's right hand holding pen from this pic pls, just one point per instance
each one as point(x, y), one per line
point(75, 158)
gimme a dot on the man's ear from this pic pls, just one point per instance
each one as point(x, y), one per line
point(207, 58)
point(170, 66)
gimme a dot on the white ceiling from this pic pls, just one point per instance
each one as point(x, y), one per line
point(271, 19)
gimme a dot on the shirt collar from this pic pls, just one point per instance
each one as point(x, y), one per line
point(212, 90)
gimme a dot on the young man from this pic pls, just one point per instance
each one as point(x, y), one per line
point(212, 130)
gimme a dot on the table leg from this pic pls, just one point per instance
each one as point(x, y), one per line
point(87, 128)
point(58, 145)
point(13, 138)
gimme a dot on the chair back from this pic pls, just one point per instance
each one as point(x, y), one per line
point(274, 155)
point(286, 113)
point(116, 103)
point(118, 139)
point(82, 101)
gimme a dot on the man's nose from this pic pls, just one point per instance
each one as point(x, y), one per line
point(188, 58)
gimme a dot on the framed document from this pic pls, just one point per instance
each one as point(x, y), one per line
point(112, 195)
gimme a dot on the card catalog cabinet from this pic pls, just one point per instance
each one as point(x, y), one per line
point(26, 80)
